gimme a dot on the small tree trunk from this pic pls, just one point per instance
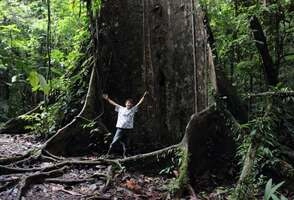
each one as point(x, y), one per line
point(271, 74)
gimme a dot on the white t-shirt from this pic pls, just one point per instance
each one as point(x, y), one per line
point(125, 118)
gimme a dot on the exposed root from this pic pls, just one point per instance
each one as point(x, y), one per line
point(47, 158)
point(9, 183)
point(65, 141)
point(32, 158)
point(75, 181)
point(47, 174)
point(68, 181)
point(109, 178)
point(98, 197)
point(11, 170)
point(46, 153)
point(7, 161)
point(36, 178)
point(155, 155)
point(8, 180)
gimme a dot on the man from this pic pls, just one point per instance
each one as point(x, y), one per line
point(125, 120)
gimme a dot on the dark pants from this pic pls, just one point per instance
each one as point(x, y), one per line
point(120, 137)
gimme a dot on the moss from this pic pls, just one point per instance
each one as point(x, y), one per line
point(178, 185)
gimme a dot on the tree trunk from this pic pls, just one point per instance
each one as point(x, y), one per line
point(270, 71)
point(163, 30)
point(169, 32)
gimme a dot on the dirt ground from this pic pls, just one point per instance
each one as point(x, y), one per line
point(98, 181)
point(124, 185)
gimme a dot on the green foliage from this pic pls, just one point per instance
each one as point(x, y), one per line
point(238, 54)
point(171, 168)
point(235, 45)
point(96, 5)
point(263, 132)
point(271, 191)
point(23, 47)
point(89, 125)
point(43, 123)
point(38, 82)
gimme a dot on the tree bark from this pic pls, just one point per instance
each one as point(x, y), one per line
point(271, 73)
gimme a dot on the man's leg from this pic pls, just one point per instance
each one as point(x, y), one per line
point(124, 148)
point(125, 140)
point(116, 138)
point(122, 141)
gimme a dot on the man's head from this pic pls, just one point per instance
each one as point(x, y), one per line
point(129, 103)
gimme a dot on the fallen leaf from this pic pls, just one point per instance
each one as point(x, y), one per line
point(133, 185)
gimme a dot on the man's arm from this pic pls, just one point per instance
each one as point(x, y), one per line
point(142, 99)
point(106, 97)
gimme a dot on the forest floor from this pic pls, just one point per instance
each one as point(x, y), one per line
point(124, 185)
point(99, 181)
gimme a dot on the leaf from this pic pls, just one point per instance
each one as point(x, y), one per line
point(38, 82)
point(8, 28)
point(57, 71)
point(253, 132)
point(14, 79)
point(274, 197)
point(283, 197)
point(34, 80)
point(133, 185)
point(277, 186)
point(268, 188)
point(43, 84)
